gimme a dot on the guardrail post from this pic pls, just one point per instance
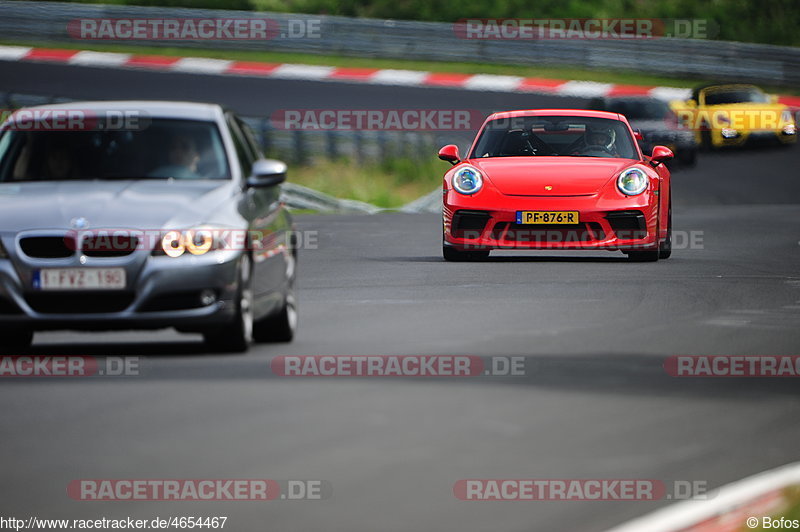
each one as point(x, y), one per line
point(358, 145)
point(266, 135)
point(331, 145)
point(300, 152)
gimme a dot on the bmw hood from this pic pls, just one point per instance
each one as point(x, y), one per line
point(565, 176)
point(140, 204)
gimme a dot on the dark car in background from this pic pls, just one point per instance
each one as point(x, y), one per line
point(657, 123)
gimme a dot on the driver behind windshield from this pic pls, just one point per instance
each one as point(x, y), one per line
point(599, 141)
point(183, 157)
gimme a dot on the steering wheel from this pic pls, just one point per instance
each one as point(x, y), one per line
point(597, 148)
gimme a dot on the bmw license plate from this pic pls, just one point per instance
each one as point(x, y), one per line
point(79, 279)
point(548, 217)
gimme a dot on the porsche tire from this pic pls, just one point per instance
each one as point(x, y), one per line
point(452, 254)
point(705, 140)
point(12, 338)
point(650, 255)
point(665, 248)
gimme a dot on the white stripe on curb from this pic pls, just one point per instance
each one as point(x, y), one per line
point(87, 58)
point(584, 89)
point(671, 93)
point(398, 77)
point(201, 65)
point(14, 53)
point(719, 502)
point(492, 82)
point(312, 72)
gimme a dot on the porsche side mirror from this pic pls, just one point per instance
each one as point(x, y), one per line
point(449, 153)
point(661, 154)
point(267, 173)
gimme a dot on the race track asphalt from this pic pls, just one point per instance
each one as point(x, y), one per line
point(595, 402)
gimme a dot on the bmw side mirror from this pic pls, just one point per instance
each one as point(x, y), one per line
point(449, 153)
point(267, 173)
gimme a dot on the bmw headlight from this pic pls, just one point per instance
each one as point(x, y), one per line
point(194, 241)
point(467, 180)
point(632, 181)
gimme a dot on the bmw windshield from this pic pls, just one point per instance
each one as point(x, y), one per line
point(159, 149)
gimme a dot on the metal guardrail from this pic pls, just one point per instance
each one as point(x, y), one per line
point(778, 65)
point(286, 145)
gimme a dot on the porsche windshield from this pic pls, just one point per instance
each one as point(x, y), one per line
point(164, 149)
point(564, 136)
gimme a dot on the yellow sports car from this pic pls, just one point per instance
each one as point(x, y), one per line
point(733, 115)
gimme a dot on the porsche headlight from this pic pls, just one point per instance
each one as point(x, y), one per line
point(632, 181)
point(467, 180)
point(194, 241)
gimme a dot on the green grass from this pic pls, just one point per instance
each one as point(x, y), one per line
point(792, 495)
point(390, 184)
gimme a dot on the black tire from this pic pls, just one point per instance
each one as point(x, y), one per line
point(650, 255)
point(688, 157)
point(665, 248)
point(452, 254)
point(280, 327)
point(705, 140)
point(14, 338)
point(236, 336)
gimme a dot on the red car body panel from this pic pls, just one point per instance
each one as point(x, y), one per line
point(557, 183)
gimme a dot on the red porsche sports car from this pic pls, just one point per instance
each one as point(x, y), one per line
point(557, 179)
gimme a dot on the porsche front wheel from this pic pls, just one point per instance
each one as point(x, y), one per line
point(452, 254)
point(665, 248)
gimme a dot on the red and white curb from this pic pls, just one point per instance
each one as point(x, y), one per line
point(405, 78)
point(731, 508)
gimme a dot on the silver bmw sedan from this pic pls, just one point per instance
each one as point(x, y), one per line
point(132, 214)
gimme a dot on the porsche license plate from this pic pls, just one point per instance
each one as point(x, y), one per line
point(548, 217)
point(79, 279)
